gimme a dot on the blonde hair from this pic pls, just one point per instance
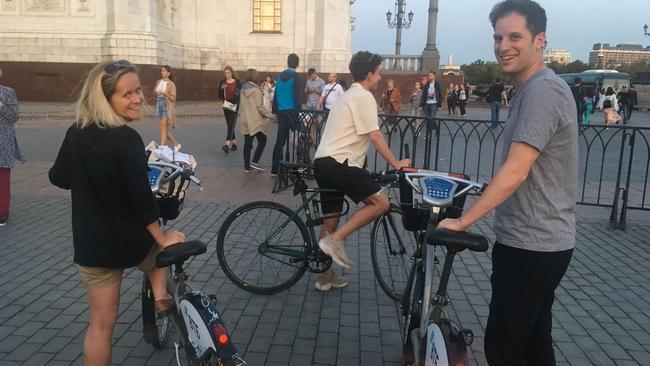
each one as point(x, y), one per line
point(93, 106)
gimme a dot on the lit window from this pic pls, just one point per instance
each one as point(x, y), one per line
point(266, 15)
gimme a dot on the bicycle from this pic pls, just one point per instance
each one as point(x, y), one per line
point(197, 320)
point(429, 337)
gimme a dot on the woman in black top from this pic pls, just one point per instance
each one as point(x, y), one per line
point(229, 89)
point(114, 214)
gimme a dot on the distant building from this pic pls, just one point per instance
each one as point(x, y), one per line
point(561, 56)
point(606, 56)
point(450, 68)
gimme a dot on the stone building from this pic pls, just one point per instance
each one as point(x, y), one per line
point(560, 56)
point(605, 56)
point(52, 41)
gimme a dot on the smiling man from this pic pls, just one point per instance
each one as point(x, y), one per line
point(534, 193)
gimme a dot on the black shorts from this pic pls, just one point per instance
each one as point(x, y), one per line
point(354, 182)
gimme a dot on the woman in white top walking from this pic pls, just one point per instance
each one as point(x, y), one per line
point(165, 92)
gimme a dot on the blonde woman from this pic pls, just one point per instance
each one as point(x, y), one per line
point(165, 92)
point(114, 215)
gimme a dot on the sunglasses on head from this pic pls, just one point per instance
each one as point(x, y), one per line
point(116, 66)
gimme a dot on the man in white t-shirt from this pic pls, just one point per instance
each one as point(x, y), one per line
point(351, 127)
point(331, 92)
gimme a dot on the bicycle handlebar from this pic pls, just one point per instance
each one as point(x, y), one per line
point(187, 174)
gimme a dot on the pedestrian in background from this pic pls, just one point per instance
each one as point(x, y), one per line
point(287, 98)
point(462, 100)
point(229, 89)
point(496, 96)
point(610, 107)
point(331, 92)
point(268, 90)
point(578, 96)
point(9, 149)
point(253, 119)
point(313, 89)
point(625, 103)
point(451, 99)
point(165, 92)
point(391, 102)
point(114, 214)
point(414, 99)
point(588, 103)
point(431, 97)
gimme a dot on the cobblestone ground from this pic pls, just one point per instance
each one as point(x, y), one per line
point(601, 316)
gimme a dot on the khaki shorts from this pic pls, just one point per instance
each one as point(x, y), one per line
point(95, 278)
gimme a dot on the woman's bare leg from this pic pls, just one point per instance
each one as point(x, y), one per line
point(163, 131)
point(104, 306)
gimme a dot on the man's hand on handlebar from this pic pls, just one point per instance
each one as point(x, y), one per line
point(404, 163)
point(452, 224)
point(169, 238)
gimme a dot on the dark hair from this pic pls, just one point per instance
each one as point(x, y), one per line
point(293, 61)
point(311, 71)
point(169, 70)
point(535, 15)
point(232, 72)
point(497, 80)
point(432, 72)
point(609, 91)
point(251, 75)
point(577, 80)
point(271, 77)
point(362, 63)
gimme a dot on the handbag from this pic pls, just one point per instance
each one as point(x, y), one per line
point(230, 106)
point(226, 104)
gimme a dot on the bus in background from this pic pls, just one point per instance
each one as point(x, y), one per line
point(599, 79)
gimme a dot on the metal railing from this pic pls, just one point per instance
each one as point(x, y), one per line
point(614, 161)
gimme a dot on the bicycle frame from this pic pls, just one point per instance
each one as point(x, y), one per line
point(306, 200)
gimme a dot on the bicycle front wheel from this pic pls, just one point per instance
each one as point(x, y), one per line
point(262, 247)
point(391, 249)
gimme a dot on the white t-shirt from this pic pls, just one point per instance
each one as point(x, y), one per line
point(346, 131)
point(331, 98)
point(162, 86)
point(431, 94)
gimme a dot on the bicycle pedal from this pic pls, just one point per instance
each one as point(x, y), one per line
point(468, 336)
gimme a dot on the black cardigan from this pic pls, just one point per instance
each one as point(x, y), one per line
point(112, 203)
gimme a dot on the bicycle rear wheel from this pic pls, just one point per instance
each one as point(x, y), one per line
point(391, 249)
point(154, 329)
point(262, 247)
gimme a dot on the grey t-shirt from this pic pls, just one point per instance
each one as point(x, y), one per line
point(312, 98)
point(540, 214)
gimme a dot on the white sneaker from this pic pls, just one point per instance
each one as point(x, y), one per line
point(256, 166)
point(336, 250)
point(177, 148)
point(326, 283)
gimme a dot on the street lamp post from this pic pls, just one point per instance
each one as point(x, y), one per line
point(645, 30)
point(398, 22)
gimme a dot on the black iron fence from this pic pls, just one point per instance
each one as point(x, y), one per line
point(614, 161)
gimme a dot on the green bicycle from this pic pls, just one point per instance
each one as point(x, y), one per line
point(265, 247)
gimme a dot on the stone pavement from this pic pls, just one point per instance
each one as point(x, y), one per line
point(601, 316)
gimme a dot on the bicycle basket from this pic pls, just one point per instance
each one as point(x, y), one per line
point(170, 207)
point(416, 218)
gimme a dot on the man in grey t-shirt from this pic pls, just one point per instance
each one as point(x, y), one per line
point(534, 193)
point(313, 89)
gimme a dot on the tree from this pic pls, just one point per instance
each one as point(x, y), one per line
point(633, 69)
point(570, 68)
point(482, 73)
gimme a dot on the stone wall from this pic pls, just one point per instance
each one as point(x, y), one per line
point(192, 34)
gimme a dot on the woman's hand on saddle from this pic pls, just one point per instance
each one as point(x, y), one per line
point(170, 237)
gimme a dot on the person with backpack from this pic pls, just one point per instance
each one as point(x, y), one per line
point(287, 98)
point(496, 95)
point(610, 107)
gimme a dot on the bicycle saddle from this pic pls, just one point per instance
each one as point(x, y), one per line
point(458, 240)
point(180, 252)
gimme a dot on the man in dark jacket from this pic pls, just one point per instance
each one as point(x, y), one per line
point(287, 98)
point(578, 95)
point(496, 95)
point(431, 97)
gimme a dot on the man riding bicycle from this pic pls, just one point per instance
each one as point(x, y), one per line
point(351, 126)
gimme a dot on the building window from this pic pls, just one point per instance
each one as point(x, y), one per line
point(266, 16)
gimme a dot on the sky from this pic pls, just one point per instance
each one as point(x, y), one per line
point(464, 30)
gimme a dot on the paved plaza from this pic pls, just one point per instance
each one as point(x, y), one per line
point(601, 314)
